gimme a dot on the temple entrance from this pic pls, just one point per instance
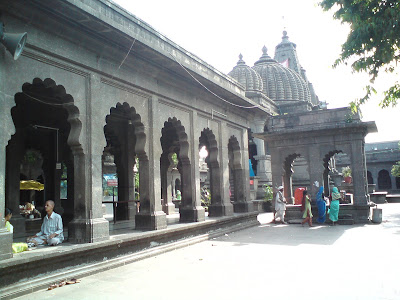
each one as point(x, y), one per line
point(37, 152)
point(121, 167)
point(295, 175)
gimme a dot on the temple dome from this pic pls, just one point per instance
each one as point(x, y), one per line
point(281, 83)
point(246, 76)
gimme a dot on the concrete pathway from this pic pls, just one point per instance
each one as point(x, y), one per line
point(264, 262)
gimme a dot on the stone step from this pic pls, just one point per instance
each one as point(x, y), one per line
point(345, 221)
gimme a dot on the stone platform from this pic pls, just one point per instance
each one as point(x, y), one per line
point(393, 198)
point(32, 270)
point(378, 197)
point(360, 214)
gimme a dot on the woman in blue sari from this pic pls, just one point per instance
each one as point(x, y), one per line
point(321, 206)
point(334, 208)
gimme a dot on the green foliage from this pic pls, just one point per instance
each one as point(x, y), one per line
point(174, 158)
point(137, 174)
point(374, 41)
point(396, 168)
point(269, 193)
point(346, 171)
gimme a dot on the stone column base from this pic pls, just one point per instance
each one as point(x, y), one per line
point(220, 210)
point(241, 207)
point(169, 208)
point(154, 221)
point(192, 214)
point(6, 239)
point(88, 231)
point(18, 222)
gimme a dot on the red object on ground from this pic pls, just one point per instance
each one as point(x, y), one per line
point(298, 195)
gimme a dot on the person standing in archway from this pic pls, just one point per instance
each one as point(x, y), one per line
point(321, 204)
point(306, 208)
point(334, 206)
point(280, 206)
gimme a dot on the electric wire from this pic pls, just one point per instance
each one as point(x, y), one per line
point(219, 97)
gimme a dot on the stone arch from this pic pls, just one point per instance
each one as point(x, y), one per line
point(175, 140)
point(384, 180)
point(125, 141)
point(287, 173)
point(330, 171)
point(207, 139)
point(46, 119)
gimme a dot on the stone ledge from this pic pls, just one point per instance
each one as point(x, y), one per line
point(360, 213)
point(27, 272)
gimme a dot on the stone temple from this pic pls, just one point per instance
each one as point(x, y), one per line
point(97, 91)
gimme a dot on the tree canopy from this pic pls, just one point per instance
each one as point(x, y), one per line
point(373, 41)
point(396, 168)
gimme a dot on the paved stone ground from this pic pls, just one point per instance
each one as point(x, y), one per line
point(264, 262)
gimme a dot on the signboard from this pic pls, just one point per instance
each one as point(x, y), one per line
point(112, 182)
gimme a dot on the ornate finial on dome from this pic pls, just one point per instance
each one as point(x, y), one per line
point(265, 57)
point(285, 37)
point(241, 61)
point(265, 50)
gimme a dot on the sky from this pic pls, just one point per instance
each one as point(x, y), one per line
point(218, 31)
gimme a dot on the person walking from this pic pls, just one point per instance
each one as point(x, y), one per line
point(321, 204)
point(334, 206)
point(280, 206)
point(306, 207)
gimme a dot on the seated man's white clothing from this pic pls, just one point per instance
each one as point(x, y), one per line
point(51, 232)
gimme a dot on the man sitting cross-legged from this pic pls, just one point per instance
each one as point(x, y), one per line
point(51, 232)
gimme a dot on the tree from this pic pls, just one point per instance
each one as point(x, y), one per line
point(396, 168)
point(374, 41)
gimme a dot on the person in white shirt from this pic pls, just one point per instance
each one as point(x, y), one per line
point(280, 205)
point(51, 232)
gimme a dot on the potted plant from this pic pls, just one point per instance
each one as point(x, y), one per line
point(346, 172)
point(268, 196)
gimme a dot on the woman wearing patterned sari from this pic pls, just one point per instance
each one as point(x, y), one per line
point(306, 207)
point(334, 208)
point(321, 206)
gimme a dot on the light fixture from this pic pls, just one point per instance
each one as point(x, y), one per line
point(13, 42)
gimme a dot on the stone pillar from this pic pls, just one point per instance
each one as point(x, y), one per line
point(7, 129)
point(13, 156)
point(87, 145)
point(315, 163)
point(57, 200)
point(191, 209)
point(277, 172)
point(219, 172)
point(88, 225)
point(151, 216)
point(166, 176)
point(263, 160)
point(287, 185)
point(242, 201)
point(359, 172)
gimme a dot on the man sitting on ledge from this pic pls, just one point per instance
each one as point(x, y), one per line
point(51, 232)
